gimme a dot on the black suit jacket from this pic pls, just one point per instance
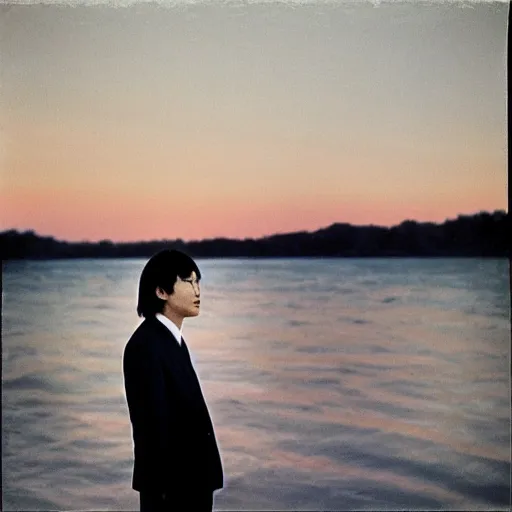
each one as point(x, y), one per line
point(174, 441)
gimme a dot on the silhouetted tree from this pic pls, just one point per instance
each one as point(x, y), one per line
point(482, 235)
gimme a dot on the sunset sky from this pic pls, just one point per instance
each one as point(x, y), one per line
point(204, 119)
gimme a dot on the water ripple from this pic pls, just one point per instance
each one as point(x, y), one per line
point(378, 384)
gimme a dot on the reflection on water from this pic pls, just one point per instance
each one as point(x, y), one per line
point(333, 384)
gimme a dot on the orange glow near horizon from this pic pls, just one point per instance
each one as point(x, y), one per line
point(77, 218)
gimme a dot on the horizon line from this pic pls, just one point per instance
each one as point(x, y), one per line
point(220, 237)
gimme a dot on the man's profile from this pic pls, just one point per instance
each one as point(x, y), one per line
point(177, 463)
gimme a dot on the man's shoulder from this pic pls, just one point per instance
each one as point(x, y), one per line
point(142, 327)
point(144, 332)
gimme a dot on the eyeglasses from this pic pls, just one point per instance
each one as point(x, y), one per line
point(193, 282)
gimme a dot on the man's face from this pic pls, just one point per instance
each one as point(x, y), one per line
point(184, 301)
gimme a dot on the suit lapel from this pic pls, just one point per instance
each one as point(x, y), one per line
point(189, 364)
point(182, 362)
point(170, 344)
point(180, 354)
point(185, 351)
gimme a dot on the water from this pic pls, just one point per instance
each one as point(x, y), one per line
point(332, 384)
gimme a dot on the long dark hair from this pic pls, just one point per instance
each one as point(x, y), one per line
point(162, 270)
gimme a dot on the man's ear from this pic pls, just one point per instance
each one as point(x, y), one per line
point(161, 294)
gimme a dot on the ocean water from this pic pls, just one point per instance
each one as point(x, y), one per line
point(333, 384)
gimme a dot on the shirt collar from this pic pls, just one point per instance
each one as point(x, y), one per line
point(171, 326)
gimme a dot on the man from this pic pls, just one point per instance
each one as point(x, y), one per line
point(177, 462)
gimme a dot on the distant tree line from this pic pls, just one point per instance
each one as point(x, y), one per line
point(481, 235)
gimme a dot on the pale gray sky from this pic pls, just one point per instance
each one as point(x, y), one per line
point(318, 113)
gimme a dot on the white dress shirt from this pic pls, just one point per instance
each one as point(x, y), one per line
point(171, 326)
